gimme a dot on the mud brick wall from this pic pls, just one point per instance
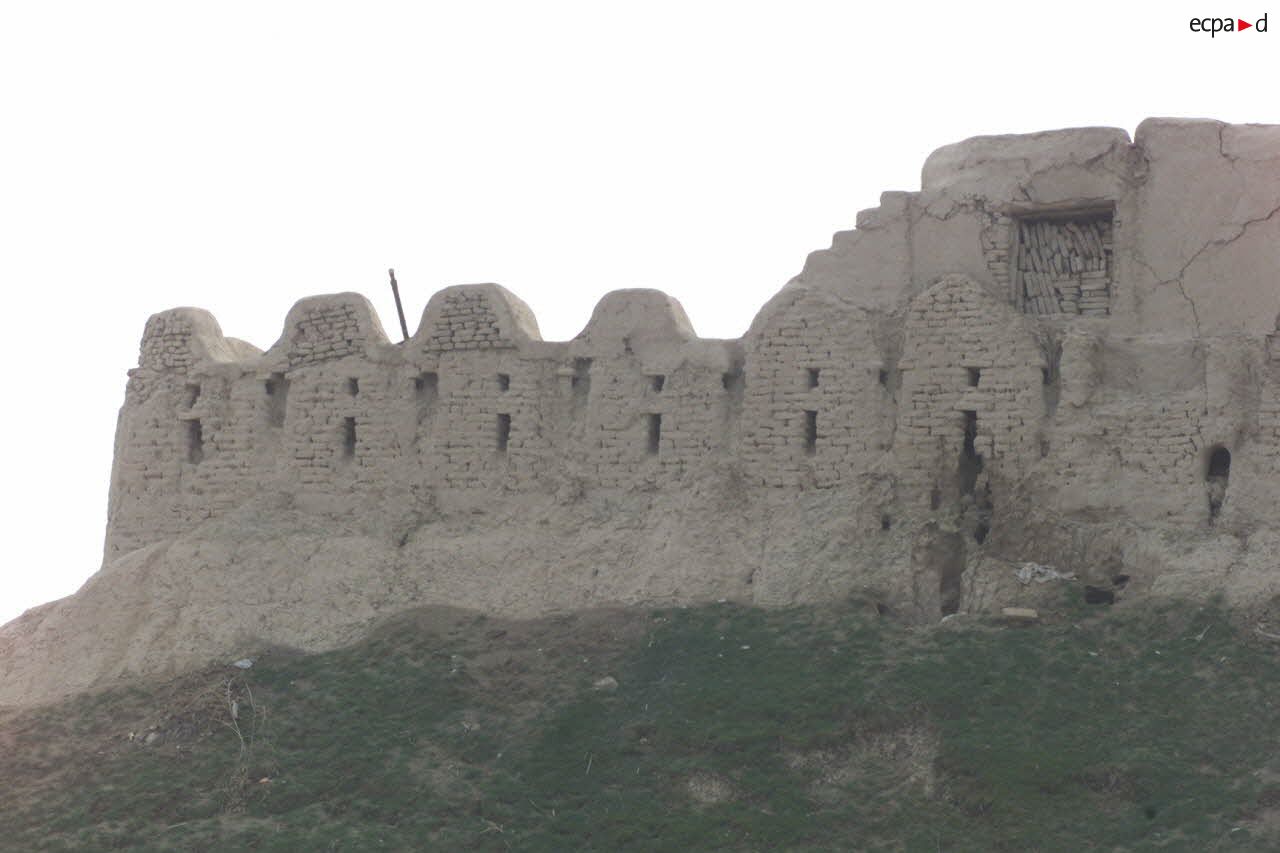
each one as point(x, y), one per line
point(966, 351)
point(325, 332)
point(813, 355)
point(650, 424)
point(166, 343)
point(466, 321)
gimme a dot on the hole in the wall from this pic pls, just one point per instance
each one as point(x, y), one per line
point(883, 377)
point(1098, 595)
point(811, 376)
point(1044, 448)
point(973, 375)
point(986, 507)
point(654, 425)
point(348, 438)
point(944, 553)
point(426, 385)
point(195, 442)
point(1219, 462)
point(277, 391)
point(731, 380)
point(1217, 474)
point(504, 382)
point(1050, 379)
point(191, 395)
point(935, 498)
point(885, 522)
point(970, 461)
point(581, 380)
point(657, 382)
point(353, 386)
point(504, 432)
point(810, 432)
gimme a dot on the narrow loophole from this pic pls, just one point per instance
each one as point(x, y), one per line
point(655, 433)
point(348, 438)
point(195, 442)
point(504, 432)
point(276, 389)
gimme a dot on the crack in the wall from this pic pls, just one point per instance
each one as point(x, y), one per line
point(1215, 243)
point(1136, 257)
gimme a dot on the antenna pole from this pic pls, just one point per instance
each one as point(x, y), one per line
point(395, 291)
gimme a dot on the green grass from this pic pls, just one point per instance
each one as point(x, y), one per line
point(732, 729)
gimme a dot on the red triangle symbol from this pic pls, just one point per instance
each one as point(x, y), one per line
point(1242, 24)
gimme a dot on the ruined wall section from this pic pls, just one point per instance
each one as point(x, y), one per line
point(179, 412)
point(970, 401)
point(1138, 420)
point(818, 403)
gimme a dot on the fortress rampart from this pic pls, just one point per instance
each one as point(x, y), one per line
point(1063, 349)
point(1064, 319)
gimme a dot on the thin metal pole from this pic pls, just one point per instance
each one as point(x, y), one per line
point(395, 290)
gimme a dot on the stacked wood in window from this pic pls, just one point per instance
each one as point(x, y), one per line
point(1064, 265)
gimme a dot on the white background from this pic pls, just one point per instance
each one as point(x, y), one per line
point(239, 156)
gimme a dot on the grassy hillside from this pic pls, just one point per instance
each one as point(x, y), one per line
point(728, 729)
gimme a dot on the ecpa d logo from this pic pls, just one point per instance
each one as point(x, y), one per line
point(1213, 26)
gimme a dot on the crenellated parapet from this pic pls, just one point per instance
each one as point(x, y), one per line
point(180, 338)
point(475, 317)
point(324, 328)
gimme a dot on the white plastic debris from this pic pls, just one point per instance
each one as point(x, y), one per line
point(243, 663)
point(1036, 573)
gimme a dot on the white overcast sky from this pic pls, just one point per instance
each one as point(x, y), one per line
point(239, 156)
